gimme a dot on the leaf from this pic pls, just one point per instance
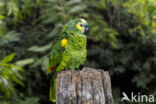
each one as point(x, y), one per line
point(39, 49)
point(2, 17)
point(10, 36)
point(43, 62)
point(50, 19)
point(15, 67)
point(31, 100)
point(12, 8)
point(39, 2)
point(24, 62)
point(8, 58)
point(77, 8)
point(71, 2)
point(15, 79)
point(102, 4)
point(54, 31)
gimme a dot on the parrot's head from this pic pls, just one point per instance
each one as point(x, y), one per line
point(77, 25)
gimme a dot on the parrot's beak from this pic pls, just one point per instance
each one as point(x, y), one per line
point(86, 31)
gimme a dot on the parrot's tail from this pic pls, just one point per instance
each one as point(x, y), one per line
point(52, 91)
point(52, 76)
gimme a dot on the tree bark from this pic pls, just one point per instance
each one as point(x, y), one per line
point(88, 86)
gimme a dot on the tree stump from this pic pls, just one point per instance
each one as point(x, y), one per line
point(88, 86)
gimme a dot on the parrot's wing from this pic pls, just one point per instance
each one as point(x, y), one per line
point(56, 53)
point(55, 57)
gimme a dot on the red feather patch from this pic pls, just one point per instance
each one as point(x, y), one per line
point(51, 69)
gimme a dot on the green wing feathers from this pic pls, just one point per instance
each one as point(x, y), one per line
point(55, 53)
point(55, 58)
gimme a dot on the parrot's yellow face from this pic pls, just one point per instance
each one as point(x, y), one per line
point(82, 26)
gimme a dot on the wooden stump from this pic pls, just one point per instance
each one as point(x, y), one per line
point(88, 86)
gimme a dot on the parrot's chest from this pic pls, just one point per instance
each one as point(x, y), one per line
point(77, 55)
point(76, 49)
point(77, 58)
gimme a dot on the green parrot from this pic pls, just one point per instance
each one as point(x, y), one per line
point(68, 50)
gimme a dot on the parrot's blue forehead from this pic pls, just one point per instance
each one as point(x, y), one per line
point(84, 21)
point(86, 24)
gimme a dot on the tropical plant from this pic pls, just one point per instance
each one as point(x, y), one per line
point(9, 74)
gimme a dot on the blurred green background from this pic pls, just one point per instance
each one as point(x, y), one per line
point(122, 40)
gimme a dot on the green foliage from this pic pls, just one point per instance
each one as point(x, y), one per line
point(122, 40)
point(9, 74)
point(32, 100)
point(24, 62)
point(29, 101)
point(11, 36)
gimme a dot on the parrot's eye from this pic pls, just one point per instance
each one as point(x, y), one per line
point(81, 25)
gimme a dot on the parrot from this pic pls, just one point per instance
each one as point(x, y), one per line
point(68, 50)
